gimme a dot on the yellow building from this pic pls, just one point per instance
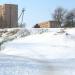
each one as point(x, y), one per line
point(48, 24)
point(8, 16)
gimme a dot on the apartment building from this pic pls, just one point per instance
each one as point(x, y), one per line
point(8, 16)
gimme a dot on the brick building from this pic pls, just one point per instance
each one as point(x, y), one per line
point(8, 16)
point(48, 24)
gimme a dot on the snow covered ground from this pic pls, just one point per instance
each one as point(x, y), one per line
point(53, 49)
point(48, 45)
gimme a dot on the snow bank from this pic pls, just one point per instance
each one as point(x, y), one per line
point(55, 44)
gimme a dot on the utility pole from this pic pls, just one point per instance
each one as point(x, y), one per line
point(22, 15)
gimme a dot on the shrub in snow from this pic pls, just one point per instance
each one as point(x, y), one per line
point(22, 33)
point(39, 30)
point(11, 34)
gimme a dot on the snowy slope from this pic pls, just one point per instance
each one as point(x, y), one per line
point(12, 33)
point(44, 52)
point(51, 44)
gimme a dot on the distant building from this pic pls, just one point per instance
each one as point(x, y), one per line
point(47, 24)
point(8, 16)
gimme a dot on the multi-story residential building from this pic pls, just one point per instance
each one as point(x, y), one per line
point(8, 16)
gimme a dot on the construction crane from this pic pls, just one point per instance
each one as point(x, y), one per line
point(21, 16)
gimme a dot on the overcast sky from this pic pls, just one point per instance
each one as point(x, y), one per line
point(39, 10)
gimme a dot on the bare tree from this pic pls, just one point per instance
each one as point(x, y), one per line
point(70, 19)
point(22, 25)
point(59, 15)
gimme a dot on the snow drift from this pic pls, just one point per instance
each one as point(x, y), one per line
point(48, 44)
